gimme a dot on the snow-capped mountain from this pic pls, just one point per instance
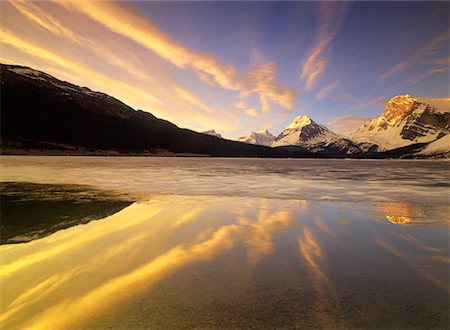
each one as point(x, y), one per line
point(213, 133)
point(303, 131)
point(262, 137)
point(406, 120)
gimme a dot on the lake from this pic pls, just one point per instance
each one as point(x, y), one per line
point(136, 242)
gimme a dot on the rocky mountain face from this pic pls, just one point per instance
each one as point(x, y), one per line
point(262, 137)
point(406, 120)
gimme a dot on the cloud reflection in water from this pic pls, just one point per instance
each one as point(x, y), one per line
point(74, 277)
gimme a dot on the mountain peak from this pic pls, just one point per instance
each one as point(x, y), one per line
point(263, 131)
point(398, 106)
point(299, 122)
point(212, 133)
point(304, 131)
point(406, 120)
point(262, 137)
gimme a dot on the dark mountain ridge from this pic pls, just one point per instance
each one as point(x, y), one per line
point(38, 109)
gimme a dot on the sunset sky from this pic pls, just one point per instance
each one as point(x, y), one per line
point(238, 66)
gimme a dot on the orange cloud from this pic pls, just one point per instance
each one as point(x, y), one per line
point(261, 80)
point(55, 26)
point(131, 25)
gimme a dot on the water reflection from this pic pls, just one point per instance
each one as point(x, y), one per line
point(174, 254)
point(406, 214)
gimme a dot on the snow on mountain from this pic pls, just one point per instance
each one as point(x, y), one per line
point(437, 148)
point(262, 137)
point(42, 76)
point(213, 133)
point(303, 131)
point(406, 120)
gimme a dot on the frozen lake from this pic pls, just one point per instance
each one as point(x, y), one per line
point(227, 243)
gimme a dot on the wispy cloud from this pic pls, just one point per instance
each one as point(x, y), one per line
point(55, 26)
point(331, 16)
point(426, 74)
point(422, 55)
point(442, 61)
point(243, 105)
point(323, 93)
point(347, 124)
point(261, 80)
point(123, 21)
point(382, 101)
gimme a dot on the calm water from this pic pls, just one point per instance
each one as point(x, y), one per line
point(235, 243)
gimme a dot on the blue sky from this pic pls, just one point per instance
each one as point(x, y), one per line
point(239, 66)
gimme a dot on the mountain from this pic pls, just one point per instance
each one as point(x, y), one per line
point(303, 131)
point(262, 137)
point(212, 133)
point(43, 115)
point(40, 112)
point(406, 120)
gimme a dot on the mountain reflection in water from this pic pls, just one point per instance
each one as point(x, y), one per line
point(227, 262)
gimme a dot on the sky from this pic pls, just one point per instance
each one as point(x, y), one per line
point(235, 66)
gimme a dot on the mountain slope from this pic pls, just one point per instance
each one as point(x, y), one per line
point(406, 120)
point(262, 137)
point(39, 110)
point(437, 148)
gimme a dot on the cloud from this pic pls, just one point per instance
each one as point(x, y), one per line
point(377, 101)
point(323, 93)
point(314, 65)
point(426, 74)
point(347, 124)
point(345, 96)
point(442, 61)
point(131, 25)
point(421, 55)
point(261, 80)
point(252, 112)
point(331, 16)
point(55, 26)
point(242, 105)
